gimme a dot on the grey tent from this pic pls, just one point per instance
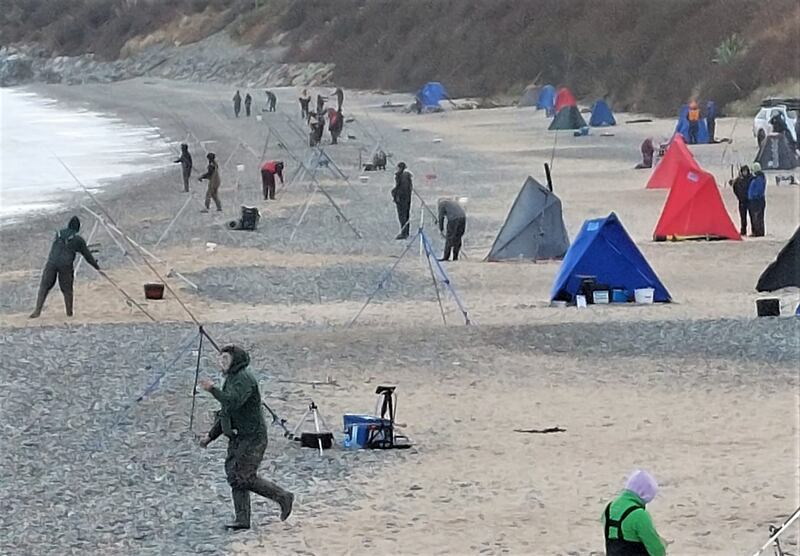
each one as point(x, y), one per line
point(530, 96)
point(776, 153)
point(784, 271)
point(568, 117)
point(534, 228)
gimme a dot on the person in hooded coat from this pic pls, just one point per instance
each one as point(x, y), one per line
point(456, 226)
point(269, 170)
point(272, 102)
point(305, 101)
point(627, 526)
point(214, 182)
point(339, 98)
point(65, 246)
point(248, 102)
point(185, 161)
point(237, 103)
point(740, 186)
point(647, 154)
point(401, 194)
point(241, 419)
point(711, 120)
point(694, 122)
point(335, 124)
point(757, 200)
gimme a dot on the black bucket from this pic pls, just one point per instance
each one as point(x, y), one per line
point(769, 307)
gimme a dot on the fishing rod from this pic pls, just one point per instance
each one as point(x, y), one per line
point(128, 298)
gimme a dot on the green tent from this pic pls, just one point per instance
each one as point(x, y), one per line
point(568, 117)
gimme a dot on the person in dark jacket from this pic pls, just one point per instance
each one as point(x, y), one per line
point(647, 154)
point(248, 102)
point(214, 182)
point(321, 104)
point(185, 161)
point(403, 188)
point(740, 186)
point(711, 120)
point(757, 200)
point(269, 170)
point(66, 245)
point(339, 98)
point(456, 226)
point(241, 419)
point(305, 101)
point(237, 103)
point(272, 101)
point(627, 526)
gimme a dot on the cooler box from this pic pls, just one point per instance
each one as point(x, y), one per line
point(357, 428)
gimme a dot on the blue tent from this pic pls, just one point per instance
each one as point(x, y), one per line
point(605, 251)
point(430, 94)
point(682, 127)
point(601, 114)
point(547, 99)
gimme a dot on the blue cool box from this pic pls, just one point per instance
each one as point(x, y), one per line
point(619, 296)
point(356, 428)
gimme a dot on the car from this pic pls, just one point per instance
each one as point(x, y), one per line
point(769, 107)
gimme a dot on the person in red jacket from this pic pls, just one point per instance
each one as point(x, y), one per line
point(269, 170)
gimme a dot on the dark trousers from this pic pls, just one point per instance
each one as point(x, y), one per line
point(268, 184)
point(236, 109)
point(403, 214)
point(271, 105)
point(247, 110)
point(66, 278)
point(187, 173)
point(743, 217)
point(693, 127)
point(712, 129)
point(756, 208)
point(455, 231)
point(241, 468)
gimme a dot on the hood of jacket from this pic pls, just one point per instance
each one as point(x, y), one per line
point(239, 359)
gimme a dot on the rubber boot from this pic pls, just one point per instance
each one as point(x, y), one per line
point(68, 304)
point(241, 507)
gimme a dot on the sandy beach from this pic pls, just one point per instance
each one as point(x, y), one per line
point(700, 392)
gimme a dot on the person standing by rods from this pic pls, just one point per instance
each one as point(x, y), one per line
point(66, 245)
point(241, 419)
point(740, 186)
point(185, 161)
point(403, 188)
point(305, 101)
point(272, 101)
point(237, 103)
point(456, 226)
point(339, 98)
point(248, 101)
point(269, 170)
point(214, 182)
point(321, 104)
point(627, 525)
point(757, 200)
point(711, 120)
point(693, 115)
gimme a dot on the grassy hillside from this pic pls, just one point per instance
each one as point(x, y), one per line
point(644, 54)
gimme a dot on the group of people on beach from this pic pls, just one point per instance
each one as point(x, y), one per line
point(316, 119)
point(271, 105)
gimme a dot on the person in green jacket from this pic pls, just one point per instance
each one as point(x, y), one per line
point(65, 246)
point(627, 526)
point(242, 421)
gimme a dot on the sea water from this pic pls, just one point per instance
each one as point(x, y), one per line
point(34, 131)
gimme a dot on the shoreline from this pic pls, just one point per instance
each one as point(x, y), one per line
point(693, 389)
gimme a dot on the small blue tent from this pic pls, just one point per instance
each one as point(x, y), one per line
point(605, 251)
point(682, 127)
point(547, 99)
point(601, 114)
point(430, 94)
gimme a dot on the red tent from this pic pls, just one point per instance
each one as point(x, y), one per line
point(564, 98)
point(676, 161)
point(694, 209)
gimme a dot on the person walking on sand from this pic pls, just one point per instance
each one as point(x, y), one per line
point(757, 200)
point(401, 194)
point(627, 526)
point(694, 122)
point(241, 419)
point(248, 101)
point(269, 170)
point(214, 182)
point(305, 101)
point(740, 187)
point(237, 103)
point(185, 161)
point(65, 246)
point(456, 226)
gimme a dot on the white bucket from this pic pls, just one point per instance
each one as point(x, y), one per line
point(258, 117)
point(240, 167)
point(644, 296)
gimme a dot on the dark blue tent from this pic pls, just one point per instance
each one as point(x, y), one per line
point(547, 99)
point(601, 114)
point(431, 93)
point(605, 251)
point(682, 126)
